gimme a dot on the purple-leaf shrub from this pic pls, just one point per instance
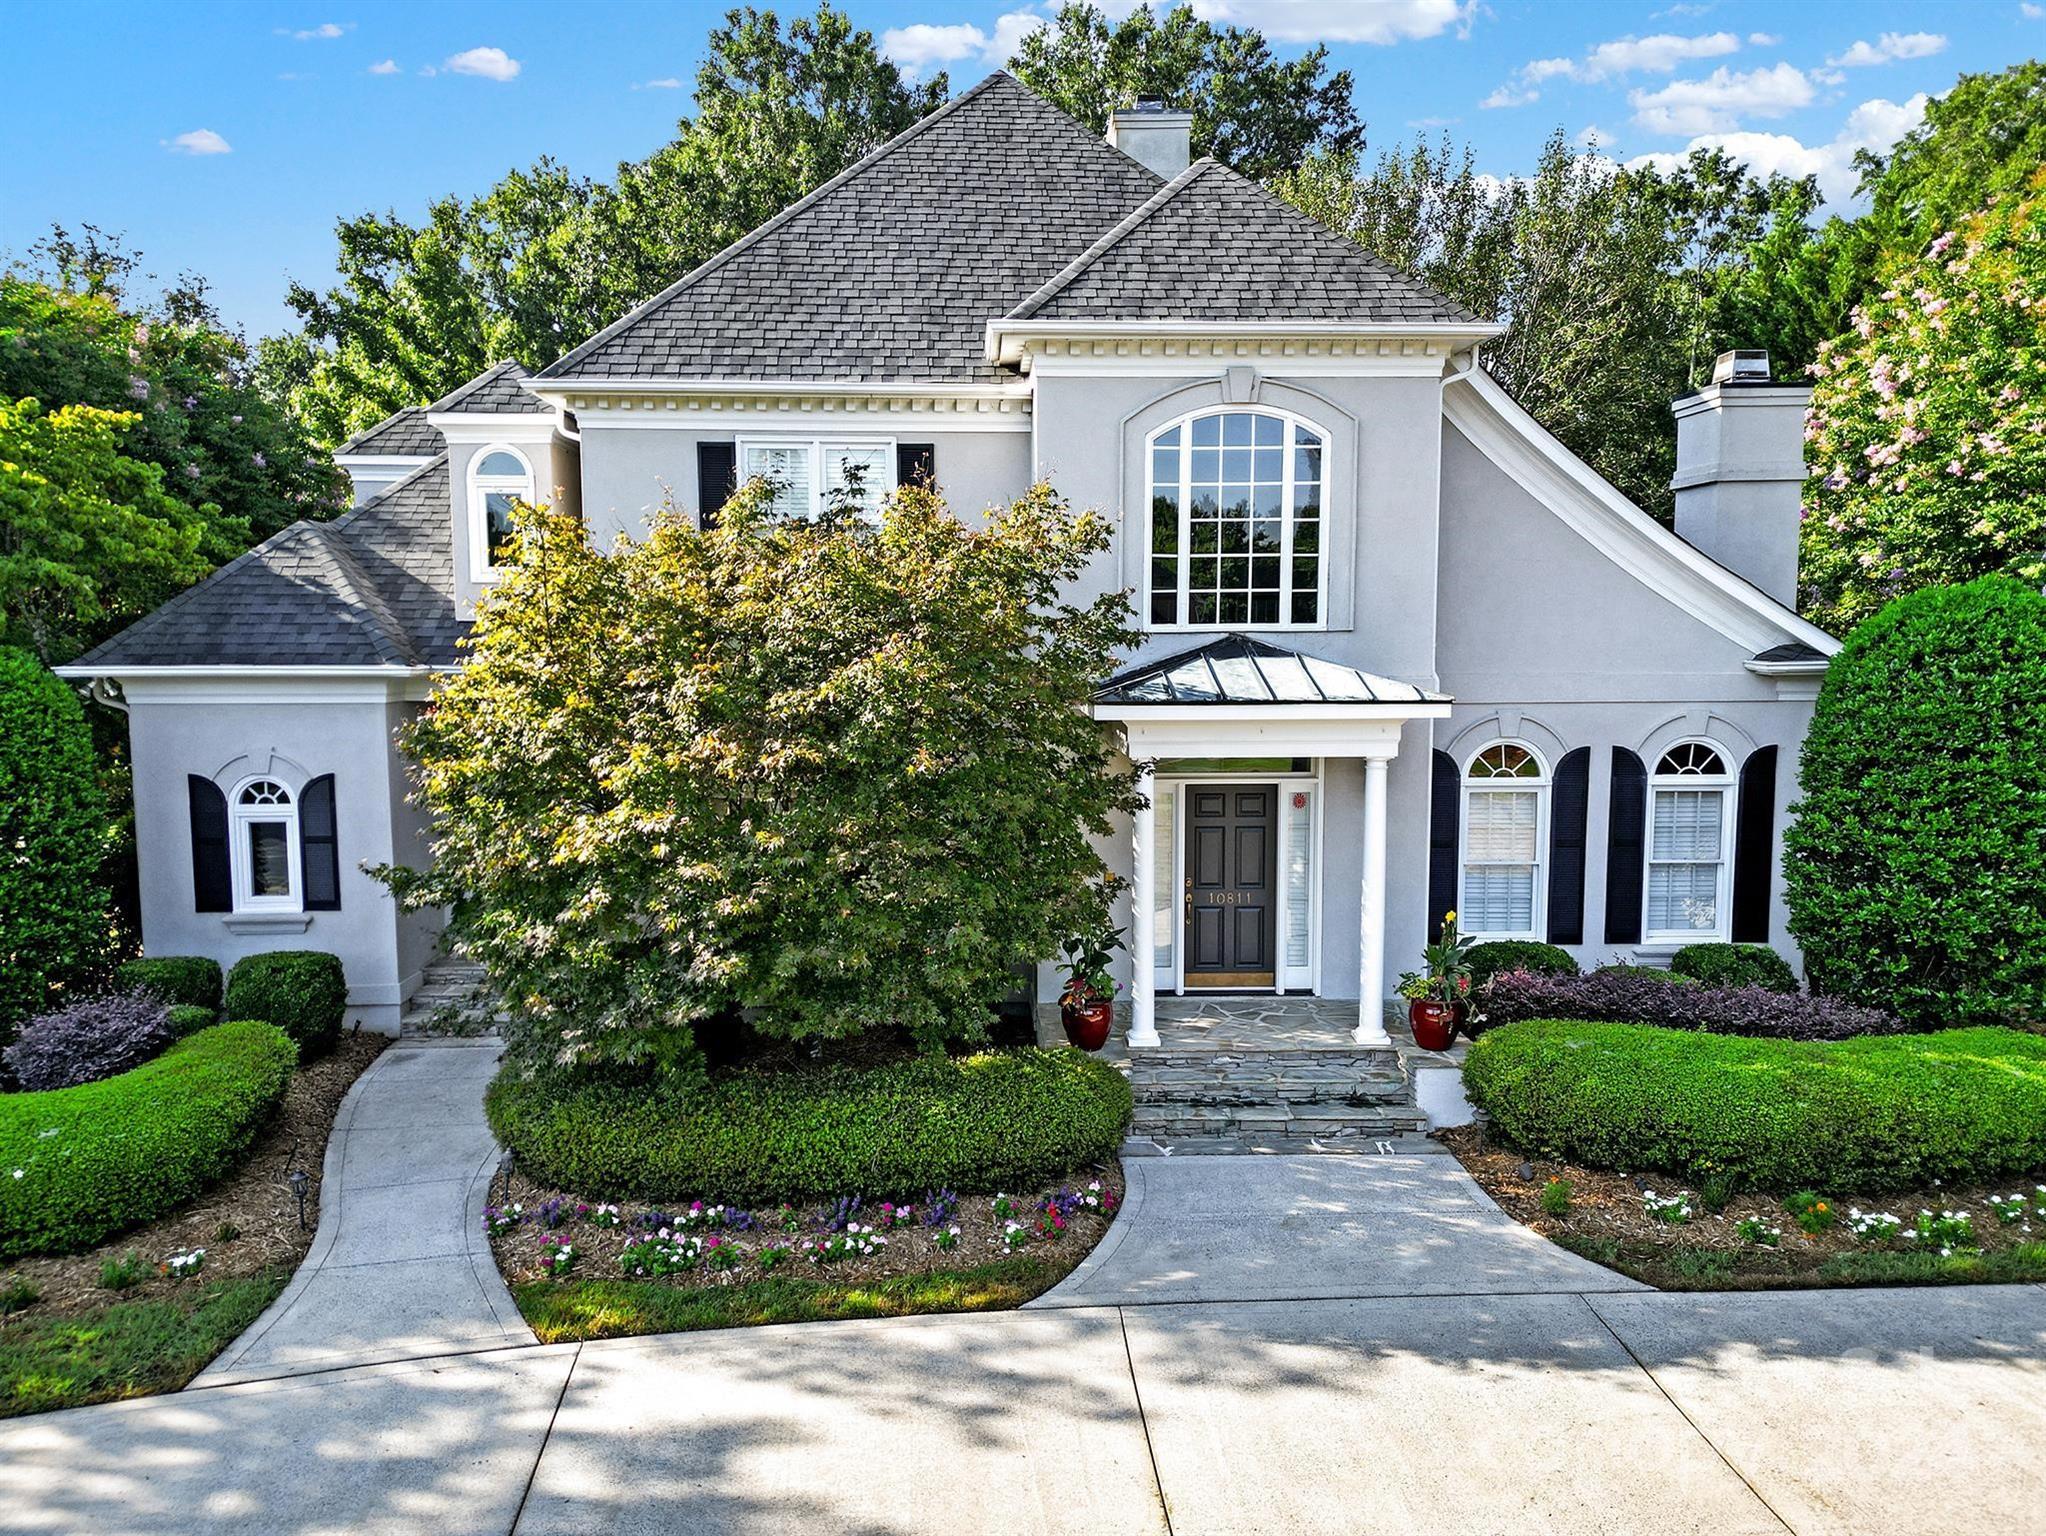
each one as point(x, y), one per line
point(1619, 995)
point(85, 1041)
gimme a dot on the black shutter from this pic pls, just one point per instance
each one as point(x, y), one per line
point(1569, 811)
point(1754, 847)
point(1626, 848)
point(717, 476)
point(1445, 802)
point(212, 885)
point(319, 848)
point(916, 464)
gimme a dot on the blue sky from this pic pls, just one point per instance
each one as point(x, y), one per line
point(227, 138)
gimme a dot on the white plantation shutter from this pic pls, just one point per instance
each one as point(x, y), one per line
point(1164, 909)
point(877, 476)
point(1684, 858)
point(788, 466)
point(1501, 839)
point(1299, 872)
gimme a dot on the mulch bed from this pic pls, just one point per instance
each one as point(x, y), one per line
point(255, 1204)
point(911, 1247)
point(1607, 1221)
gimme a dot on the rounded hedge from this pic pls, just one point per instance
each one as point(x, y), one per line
point(1877, 1113)
point(1497, 956)
point(1734, 965)
point(180, 980)
point(101, 1158)
point(997, 1121)
point(1916, 867)
point(302, 991)
point(188, 1018)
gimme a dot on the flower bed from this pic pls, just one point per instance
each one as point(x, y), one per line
point(1618, 994)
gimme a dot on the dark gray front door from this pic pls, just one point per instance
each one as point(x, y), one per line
point(1231, 876)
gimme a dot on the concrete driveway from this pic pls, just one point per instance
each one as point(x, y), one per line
point(1571, 1405)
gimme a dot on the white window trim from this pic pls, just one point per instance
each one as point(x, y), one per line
point(1538, 908)
point(482, 486)
point(1722, 929)
point(1293, 419)
point(818, 447)
point(241, 859)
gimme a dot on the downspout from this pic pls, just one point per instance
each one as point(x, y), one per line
point(99, 692)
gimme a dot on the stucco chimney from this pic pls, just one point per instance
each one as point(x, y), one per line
point(1154, 137)
point(1740, 471)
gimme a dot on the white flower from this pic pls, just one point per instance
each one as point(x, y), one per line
point(19, 1172)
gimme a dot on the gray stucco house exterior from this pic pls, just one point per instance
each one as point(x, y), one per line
point(1403, 652)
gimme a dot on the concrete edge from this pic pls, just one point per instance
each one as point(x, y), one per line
point(497, 1296)
point(1135, 1183)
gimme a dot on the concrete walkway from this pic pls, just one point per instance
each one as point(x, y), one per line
point(399, 1268)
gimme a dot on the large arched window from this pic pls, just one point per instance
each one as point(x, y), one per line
point(1505, 821)
point(263, 847)
point(498, 478)
point(1690, 811)
point(1236, 524)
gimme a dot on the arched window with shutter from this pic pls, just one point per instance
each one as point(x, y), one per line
point(1505, 831)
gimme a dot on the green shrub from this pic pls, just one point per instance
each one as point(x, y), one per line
point(178, 979)
point(101, 1158)
point(53, 827)
point(1489, 959)
point(1876, 1113)
point(1556, 1196)
point(1734, 965)
point(189, 1019)
point(987, 1122)
point(1916, 868)
point(302, 991)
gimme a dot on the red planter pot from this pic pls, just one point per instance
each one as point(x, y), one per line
point(1434, 1024)
point(1087, 1024)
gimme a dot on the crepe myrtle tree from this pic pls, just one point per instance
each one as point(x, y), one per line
point(837, 773)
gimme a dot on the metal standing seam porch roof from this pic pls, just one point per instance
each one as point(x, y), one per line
point(1235, 669)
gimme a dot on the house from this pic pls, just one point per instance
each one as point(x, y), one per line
point(1402, 651)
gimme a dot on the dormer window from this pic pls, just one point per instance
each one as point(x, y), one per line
point(499, 478)
point(805, 475)
point(1236, 499)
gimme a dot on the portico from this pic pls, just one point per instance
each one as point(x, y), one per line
point(1239, 742)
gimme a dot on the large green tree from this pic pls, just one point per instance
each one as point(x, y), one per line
point(836, 774)
point(1255, 112)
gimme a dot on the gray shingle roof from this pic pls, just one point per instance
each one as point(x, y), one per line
point(1211, 245)
point(1235, 669)
point(372, 588)
point(406, 434)
point(496, 390)
point(893, 268)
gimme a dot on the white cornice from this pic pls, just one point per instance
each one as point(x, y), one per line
point(775, 405)
point(495, 426)
point(406, 461)
point(1483, 411)
point(1359, 346)
point(270, 685)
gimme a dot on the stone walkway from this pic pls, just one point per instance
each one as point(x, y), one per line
point(399, 1268)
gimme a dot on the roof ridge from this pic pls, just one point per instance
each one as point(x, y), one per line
point(461, 392)
point(353, 586)
point(1130, 222)
point(754, 236)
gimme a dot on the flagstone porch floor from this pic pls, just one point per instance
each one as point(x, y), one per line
point(1257, 1022)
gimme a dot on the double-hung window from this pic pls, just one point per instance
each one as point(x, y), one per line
point(1236, 522)
point(1506, 792)
point(499, 479)
point(1690, 803)
point(808, 475)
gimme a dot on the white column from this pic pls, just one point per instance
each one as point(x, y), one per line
point(1371, 927)
point(1143, 933)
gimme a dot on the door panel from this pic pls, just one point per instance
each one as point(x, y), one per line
point(1230, 883)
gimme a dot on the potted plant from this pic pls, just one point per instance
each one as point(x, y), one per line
point(1436, 994)
point(1087, 1002)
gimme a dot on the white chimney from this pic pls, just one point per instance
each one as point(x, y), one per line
point(1740, 471)
point(1154, 137)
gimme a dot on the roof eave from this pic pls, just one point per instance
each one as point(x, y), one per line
point(1419, 709)
point(1815, 668)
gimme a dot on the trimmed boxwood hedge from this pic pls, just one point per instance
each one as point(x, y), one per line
point(302, 991)
point(100, 1158)
point(180, 980)
point(981, 1123)
point(1496, 956)
point(1877, 1113)
point(1734, 965)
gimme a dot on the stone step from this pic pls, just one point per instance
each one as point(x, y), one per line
point(1406, 1143)
point(1374, 1059)
point(1238, 1123)
point(1340, 1090)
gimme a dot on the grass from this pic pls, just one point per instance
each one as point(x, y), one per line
point(1689, 1267)
point(565, 1311)
point(126, 1349)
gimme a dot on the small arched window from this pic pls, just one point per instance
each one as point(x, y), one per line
point(1690, 809)
point(1505, 820)
point(264, 847)
point(1236, 524)
point(498, 479)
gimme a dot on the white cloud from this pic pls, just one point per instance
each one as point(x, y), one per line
point(384, 67)
point(1763, 39)
point(666, 83)
point(326, 31)
point(490, 63)
point(1875, 125)
point(922, 44)
point(2030, 11)
point(1889, 48)
point(200, 141)
point(1343, 21)
point(1591, 136)
point(1719, 102)
point(1509, 96)
point(1659, 54)
point(1432, 122)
